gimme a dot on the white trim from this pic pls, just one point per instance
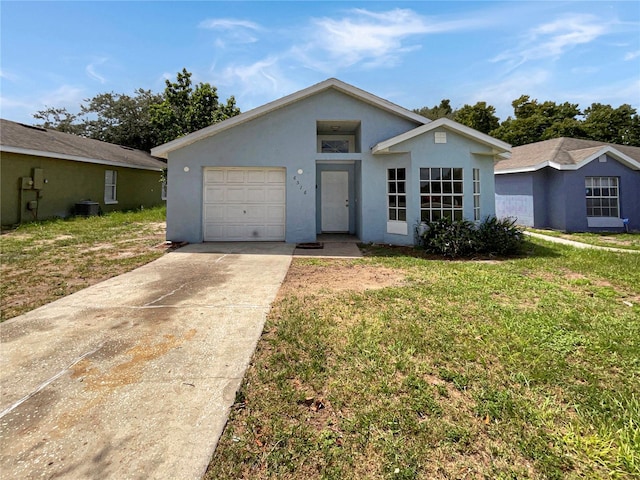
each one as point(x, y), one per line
point(397, 227)
point(604, 222)
point(611, 151)
point(498, 145)
point(163, 151)
point(73, 158)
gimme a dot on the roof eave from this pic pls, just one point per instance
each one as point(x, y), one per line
point(74, 158)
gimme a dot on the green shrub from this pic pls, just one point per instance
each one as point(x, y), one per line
point(463, 238)
point(499, 237)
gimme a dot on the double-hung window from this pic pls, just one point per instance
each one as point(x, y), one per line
point(441, 193)
point(603, 199)
point(110, 181)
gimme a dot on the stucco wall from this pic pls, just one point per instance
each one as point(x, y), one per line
point(283, 138)
point(69, 182)
point(514, 197)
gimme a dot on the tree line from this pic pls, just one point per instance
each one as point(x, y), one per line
point(534, 121)
point(146, 119)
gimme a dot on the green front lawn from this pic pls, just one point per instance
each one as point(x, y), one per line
point(509, 369)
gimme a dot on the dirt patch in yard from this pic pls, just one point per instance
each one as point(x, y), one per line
point(304, 279)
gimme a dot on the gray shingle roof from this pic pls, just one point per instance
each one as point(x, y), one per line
point(16, 137)
point(561, 151)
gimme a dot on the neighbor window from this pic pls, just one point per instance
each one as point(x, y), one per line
point(602, 197)
point(397, 194)
point(110, 180)
point(476, 194)
point(440, 193)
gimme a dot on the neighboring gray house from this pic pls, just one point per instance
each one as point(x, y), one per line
point(570, 185)
point(329, 158)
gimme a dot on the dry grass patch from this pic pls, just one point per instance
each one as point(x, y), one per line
point(44, 261)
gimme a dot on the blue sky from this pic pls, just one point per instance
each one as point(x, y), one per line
point(412, 53)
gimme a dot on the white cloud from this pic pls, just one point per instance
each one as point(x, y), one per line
point(228, 24)
point(8, 76)
point(551, 40)
point(371, 39)
point(235, 31)
point(91, 70)
point(631, 55)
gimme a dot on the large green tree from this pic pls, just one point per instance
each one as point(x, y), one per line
point(534, 121)
point(145, 119)
point(186, 109)
point(614, 125)
point(480, 116)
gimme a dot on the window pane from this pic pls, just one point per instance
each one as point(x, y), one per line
point(435, 215)
point(424, 174)
point(401, 186)
point(402, 215)
point(446, 174)
point(457, 174)
point(391, 173)
point(435, 174)
point(457, 215)
point(392, 187)
point(424, 216)
point(392, 214)
point(447, 187)
point(392, 201)
point(424, 187)
point(457, 187)
point(402, 201)
point(401, 174)
point(436, 187)
point(457, 201)
point(447, 202)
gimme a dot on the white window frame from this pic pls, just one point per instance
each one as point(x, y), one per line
point(476, 194)
point(602, 190)
point(163, 189)
point(397, 194)
point(351, 139)
point(434, 192)
point(110, 187)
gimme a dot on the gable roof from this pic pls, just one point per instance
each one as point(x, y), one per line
point(498, 146)
point(565, 154)
point(332, 83)
point(42, 142)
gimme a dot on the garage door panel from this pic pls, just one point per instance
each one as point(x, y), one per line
point(214, 176)
point(214, 195)
point(244, 204)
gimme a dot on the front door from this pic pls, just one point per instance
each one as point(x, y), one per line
point(334, 200)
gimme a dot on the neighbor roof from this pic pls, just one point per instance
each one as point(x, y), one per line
point(565, 154)
point(42, 142)
point(498, 146)
point(332, 83)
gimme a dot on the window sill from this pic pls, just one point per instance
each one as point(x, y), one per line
point(397, 227)
point(605, 222)
point(111, 202)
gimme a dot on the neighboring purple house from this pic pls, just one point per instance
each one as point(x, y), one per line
point(570, 185)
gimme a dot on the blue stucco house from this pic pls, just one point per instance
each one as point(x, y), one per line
point(329, 158)
point(571, 185)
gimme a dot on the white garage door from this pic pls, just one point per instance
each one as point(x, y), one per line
point(244, 204)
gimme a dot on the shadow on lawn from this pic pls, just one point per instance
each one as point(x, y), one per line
point(383, 250)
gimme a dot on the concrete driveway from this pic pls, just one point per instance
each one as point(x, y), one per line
point(133, 378)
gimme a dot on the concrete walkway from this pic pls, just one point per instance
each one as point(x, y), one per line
point(573, 243)
point(133, 378)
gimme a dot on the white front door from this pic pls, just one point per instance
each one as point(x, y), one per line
point(334, 200)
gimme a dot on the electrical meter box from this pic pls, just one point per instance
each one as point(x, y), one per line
point(38, 178)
